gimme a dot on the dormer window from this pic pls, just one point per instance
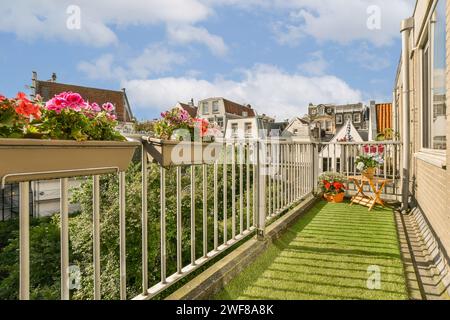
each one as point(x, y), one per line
point(244, 113)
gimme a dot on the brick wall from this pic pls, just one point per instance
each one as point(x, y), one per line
point(432, 194)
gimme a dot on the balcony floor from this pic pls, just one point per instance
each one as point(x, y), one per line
point(326, 255)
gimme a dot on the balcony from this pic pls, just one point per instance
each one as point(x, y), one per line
point(141, 233)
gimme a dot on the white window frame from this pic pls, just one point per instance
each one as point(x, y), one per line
point(215, 104)
point(358, 115)
point(205, 108)
point(234, 130)
point(339, 116)
point(248, 132)
point(431, 156)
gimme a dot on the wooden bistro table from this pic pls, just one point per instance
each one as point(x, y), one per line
point(376, 184)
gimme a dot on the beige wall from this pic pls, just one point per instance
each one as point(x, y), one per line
point(430, 184)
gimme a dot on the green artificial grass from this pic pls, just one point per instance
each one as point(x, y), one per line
point(327, 254)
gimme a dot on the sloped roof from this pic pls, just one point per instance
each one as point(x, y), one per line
point(48, 89)
point(343, 132)
point(238, 109)
point(190, 109)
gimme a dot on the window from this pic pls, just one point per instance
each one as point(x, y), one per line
point(245, 114)
point(313, 111)
point(326, 164)
point(328, 126)
point(215, 107)
point(339, 119)
point(205, 108)
point(248, 128)
point(295, 131)
point(220, 122)
point(433, 82)
point(357, 118)
point(347, 117)
point(322, 110)
point(234, 129)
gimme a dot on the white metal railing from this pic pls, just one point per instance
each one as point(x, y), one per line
point(260, 181)
point(341, 156)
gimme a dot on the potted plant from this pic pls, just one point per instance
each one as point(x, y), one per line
point(370, 160)
point(180, 139)
point(64, 137)
point(332, 186)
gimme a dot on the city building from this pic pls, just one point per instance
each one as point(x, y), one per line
point(220, 110)
point(299, 130)
point(248, 128)
point(330, 118)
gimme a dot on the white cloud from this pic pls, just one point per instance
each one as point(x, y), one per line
point(267, 88)
point(185, 34)
point(340, 21)
point(103, 68)
point(154, 60)
point(369, 59)
point(47, 19)
point(316, 66)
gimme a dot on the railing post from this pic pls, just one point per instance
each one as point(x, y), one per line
point(144, 222)
point(122, 236)
point(261, 194)
point(315, 166)
point(24, 239)
point(64, 192)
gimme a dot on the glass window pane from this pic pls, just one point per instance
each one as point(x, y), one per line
point(438, 117)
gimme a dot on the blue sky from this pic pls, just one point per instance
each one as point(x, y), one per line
point(277, 55)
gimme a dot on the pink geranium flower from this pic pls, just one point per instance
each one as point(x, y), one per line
point(108, 107)
point(95, 107)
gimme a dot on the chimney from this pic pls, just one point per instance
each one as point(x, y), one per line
point(33, 84)
point(53, 77)
point(191, 103)
point(249, 106)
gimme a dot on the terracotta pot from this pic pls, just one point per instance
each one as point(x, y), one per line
point(32, 159)
point(177, 153)
point(369, 173)
point(335, 198)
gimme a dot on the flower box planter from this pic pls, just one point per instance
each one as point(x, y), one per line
point(334, 198)
point(176, 153)
point(32, 159)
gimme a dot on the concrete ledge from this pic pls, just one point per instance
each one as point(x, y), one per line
point(215, 278)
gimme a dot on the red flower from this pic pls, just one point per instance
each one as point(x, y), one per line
point(327, 184)
point(2, 98)
point(27, 108)
point(203, 125)
point(338, 185)
point(380, 148)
